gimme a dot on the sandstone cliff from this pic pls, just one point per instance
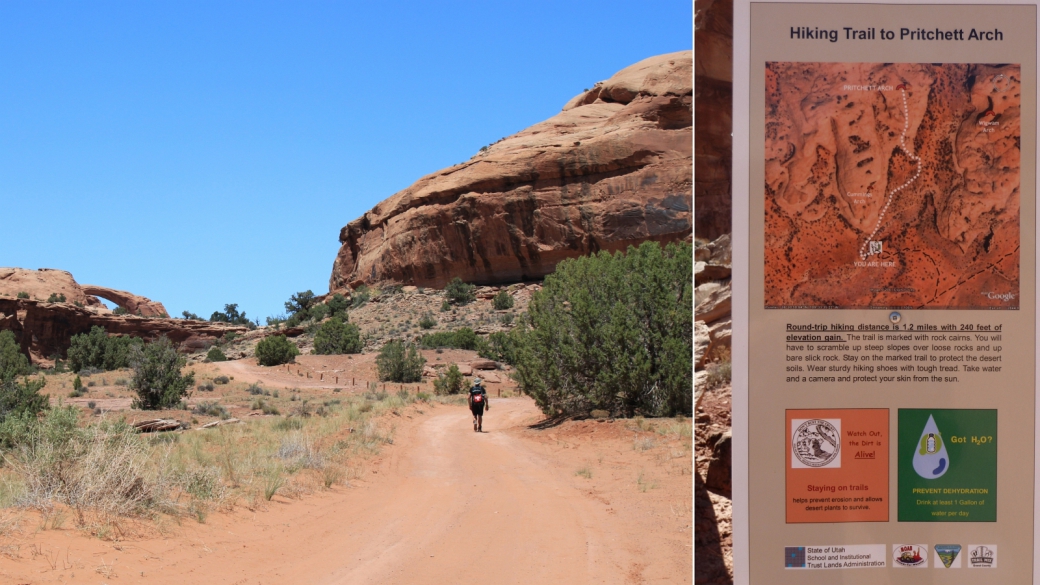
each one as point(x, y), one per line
point(613, 169)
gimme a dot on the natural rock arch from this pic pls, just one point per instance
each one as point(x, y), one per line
point(134, 304)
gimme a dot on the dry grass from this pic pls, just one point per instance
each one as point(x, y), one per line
point(100, 473)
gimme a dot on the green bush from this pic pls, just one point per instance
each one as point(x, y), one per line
point(97, 350)
point(503, 301)
point(299, 302)
point(13, 362)
point(506, 319)
point(459, 292)
point(56, 298)
point(450, 382)
point(500, 347)
point(190, 315)
point(427, 321)
point(338, 306)
point(360, 296)
point(445, 306)
point(318, 312)
point(399, 362)
point(157, 378)
point(221, 380)
point(215, 355)
point(612, 332)
point(77, 384)
point(23, 295)
point(17, 399)
point(231, 315)
point(336, 337)
point(275, 350)
point(211, 408)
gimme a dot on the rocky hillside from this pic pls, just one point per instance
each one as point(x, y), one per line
point(614, 168)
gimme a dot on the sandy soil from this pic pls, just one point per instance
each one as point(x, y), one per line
point(441, 505)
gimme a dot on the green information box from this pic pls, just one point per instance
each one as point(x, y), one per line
point(947, 465)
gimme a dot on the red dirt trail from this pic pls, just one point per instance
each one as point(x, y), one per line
point(443, 505)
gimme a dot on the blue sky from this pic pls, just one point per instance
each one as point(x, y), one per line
point(203, 153)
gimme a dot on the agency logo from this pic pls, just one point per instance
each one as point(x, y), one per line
point(910, 555)
point(948, 555)
point(816, 443)
point(930, 458)
point(794, 557)
point(982, 556)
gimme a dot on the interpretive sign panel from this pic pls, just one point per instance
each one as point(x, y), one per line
point(885, 282)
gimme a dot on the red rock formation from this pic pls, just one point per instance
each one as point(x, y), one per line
point(611, 170)
point(713, 105)
point(41, 284)
point(43, 329)
point(134, 304)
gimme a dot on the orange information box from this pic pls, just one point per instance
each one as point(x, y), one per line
point(837, 465)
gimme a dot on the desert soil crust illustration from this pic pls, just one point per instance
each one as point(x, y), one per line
point(892, 185)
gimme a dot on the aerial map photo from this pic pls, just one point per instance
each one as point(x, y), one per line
point(892, 185)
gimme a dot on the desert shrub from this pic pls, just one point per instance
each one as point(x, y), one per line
point(360, 296)
point(19, 399)
point(211, 408)
point(190, 315)
point(97, 350)
point(449, 382)
point(399, 362)
point(103, 468)
point(120, 311)
point(215, 355)
point(463, 338)
point(612, 332)
point(318, 312)
point(275, 350)
point(56, 298)
point(459, 292)
point(255, 389)
point(231, 315)
point(338, 306)
point(506, 319)
point(262, 405)
point(500, 347)
point(23, 295)
point(12, 361)
point(157, 378)
point(276, 320)
point(205, 387)
point(221, 380)
point(336, 337)
point(300, 301)
point(77, 384)
point(445, 306)
point(427, 321)
point(502, 301)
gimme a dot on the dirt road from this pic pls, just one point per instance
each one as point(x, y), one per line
point(444, 505)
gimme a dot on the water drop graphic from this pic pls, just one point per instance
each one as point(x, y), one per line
point(930, 458)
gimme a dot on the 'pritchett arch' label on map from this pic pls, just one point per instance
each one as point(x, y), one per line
point(892, 185)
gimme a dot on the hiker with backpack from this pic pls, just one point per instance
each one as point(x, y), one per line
point(478, 401)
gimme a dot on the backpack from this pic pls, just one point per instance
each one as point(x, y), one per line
point(478, 395)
